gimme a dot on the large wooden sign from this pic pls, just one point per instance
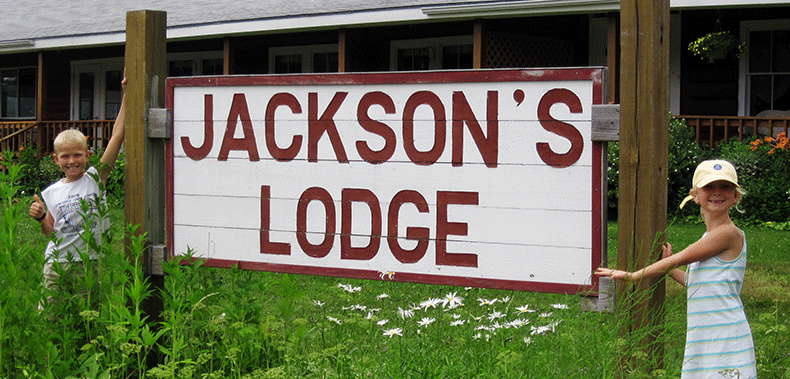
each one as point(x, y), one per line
point(474, 178)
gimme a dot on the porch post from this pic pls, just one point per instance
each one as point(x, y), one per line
point(479, 45)
point(644, 113)
point(227, 57)
point(41, 94)
point(342, 51)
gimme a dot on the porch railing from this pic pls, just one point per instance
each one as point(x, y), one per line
point(712, 129)
point(16, 134)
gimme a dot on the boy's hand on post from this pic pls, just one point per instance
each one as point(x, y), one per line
point(37, 209)
point(666, 251)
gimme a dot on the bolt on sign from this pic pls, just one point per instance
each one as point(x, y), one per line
point(472, 178)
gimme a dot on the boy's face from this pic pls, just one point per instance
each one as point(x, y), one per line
point(72, 159)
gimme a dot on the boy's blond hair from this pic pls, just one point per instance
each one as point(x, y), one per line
point(70, 136)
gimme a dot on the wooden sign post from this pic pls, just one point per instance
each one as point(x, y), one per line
point(145, 176)
point(644, 108)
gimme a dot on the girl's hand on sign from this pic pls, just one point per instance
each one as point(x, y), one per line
point(612, 273)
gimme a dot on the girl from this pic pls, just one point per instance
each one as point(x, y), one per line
point(718, 338)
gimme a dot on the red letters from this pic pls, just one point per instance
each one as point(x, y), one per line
point(238, 110)
point(440, 127)
point(462, 114)
point(376, 127)
point(365, 196)
point(317, 126)
point(208, 129)
point(320, 194)
point(444, 228)
point(268, 247)
point(277, 153)
point(412, 233)
point(560, 95)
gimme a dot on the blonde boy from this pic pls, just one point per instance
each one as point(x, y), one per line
point(59, 208)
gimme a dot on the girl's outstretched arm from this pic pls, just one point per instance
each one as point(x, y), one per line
point(724, 239)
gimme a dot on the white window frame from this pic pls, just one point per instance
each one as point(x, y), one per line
point(195, 56)
point(35, 111)
point(306, 51)
point(98, 67)
point(434, 44)
point(743, 76)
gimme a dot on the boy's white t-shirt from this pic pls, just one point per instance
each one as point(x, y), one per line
point(63, 203)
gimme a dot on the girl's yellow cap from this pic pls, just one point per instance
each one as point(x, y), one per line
point(710, 171)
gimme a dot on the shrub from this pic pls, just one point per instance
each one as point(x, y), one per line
point(763, 171)
point(38, 172)
point(683, 156)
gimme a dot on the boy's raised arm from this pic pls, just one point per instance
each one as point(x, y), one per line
point(116, 138)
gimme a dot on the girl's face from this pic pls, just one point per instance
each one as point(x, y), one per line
point(720, 195)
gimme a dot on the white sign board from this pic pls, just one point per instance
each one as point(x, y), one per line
point(474, 178)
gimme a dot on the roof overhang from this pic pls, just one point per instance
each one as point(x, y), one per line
point(387, 16)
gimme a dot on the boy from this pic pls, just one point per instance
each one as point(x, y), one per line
point(62, 213)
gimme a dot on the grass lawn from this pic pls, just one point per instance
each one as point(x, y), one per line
point(240, 324)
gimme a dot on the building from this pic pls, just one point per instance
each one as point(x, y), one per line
point(61, 61)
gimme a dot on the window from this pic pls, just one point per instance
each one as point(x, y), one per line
point(766, 82)
point(18, 93)
point(431, 54)
point(457, 57)
point(196, 63)
point(181, 67)
point(96, 89)
point(212, 66)
point(303, 59)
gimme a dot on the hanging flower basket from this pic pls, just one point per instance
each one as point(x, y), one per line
point(717, 45)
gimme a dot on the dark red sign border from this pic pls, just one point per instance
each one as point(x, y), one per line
point(596, 75)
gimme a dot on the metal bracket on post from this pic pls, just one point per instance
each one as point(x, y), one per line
point(606, 122)
point(606, 297)
point(160, 123)
point(156, 259)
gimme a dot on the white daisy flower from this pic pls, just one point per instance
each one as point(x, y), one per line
point(392, 332)
point(405, 313)
point(336, 321)
point(430, 303)
point(487, 302)
point(382, 322)
point(452, 300)
point(525, 309)
point(426, 321)
point(495, 315)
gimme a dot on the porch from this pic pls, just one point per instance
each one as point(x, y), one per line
point(707, 130)
point(15, 135)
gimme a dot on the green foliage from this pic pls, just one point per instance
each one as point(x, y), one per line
point(683, 156)
point(724, 42)
point(38, 172)
point(763, 171)
point(765, 177)
point(116, 180)
point(231, 323)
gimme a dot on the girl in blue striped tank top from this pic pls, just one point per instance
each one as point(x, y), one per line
point(718, 337)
